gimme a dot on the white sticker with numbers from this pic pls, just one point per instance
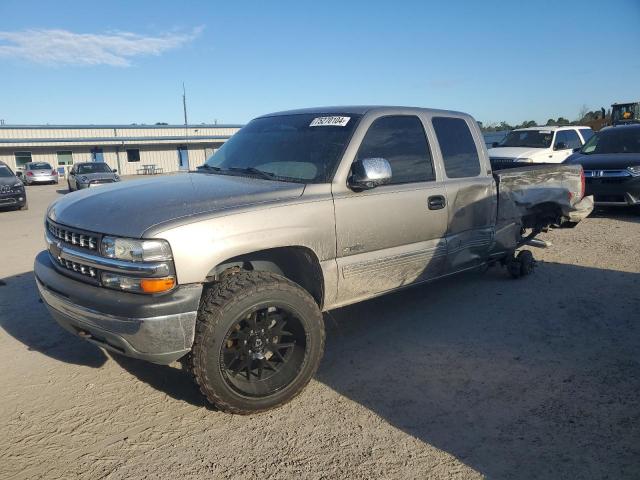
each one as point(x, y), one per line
point(330, 122)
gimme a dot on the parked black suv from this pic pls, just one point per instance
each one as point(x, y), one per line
point(611, 162)
point(12, 193)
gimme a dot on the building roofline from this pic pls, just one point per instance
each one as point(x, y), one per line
point(204, 125)
point(180, 138)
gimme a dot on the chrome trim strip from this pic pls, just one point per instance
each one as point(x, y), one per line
point(160, 269)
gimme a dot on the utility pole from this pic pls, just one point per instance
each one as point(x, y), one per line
point(184, 104)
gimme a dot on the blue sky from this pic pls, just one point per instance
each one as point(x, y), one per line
point(125, 61)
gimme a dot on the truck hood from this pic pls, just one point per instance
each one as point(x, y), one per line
point(514, 152)
point(604, 161)
point(130, 208)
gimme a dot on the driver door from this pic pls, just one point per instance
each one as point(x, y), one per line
point(392, 235)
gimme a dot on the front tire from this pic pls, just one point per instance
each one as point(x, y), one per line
point(259, 339)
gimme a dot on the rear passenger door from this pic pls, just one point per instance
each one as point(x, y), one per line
point(390, 236)
point(471, 194)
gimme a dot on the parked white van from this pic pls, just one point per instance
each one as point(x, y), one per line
point(538, 145)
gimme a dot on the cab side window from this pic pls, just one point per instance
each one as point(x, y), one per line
point(459, 152)
point(567, 139)
point(402, 142)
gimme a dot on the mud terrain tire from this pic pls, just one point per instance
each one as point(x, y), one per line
point(227, 306)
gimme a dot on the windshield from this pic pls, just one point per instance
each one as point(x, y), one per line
point(614, 140)
point(528, 138)
point(302, 148)
point(39, 166)
point(5, 172)
point(98, 167)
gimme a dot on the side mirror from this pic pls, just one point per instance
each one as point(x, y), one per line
point(19, 174)
point(560, 146)
point(115, 170)
point(369, 173)
point(577, 149)
point(494, 144)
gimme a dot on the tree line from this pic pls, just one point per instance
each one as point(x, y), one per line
point(585, 117)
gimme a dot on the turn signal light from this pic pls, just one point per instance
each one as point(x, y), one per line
point(157, 285)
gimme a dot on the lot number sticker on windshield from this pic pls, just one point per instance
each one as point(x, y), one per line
point(330, 122)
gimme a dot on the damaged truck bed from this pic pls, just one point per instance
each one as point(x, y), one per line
point(536, 198)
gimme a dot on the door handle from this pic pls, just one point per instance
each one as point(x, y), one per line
point(436, 202)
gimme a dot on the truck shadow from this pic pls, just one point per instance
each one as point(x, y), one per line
point(25, 318)
point(534, 378)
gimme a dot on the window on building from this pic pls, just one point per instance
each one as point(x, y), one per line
point(459, 152)
point(133, 155)
point(22, 158)
point(65, 158)
point(402, 142)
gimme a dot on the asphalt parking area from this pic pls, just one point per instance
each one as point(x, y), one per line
point(476, 376)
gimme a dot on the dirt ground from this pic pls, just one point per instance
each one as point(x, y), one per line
point(476, 376)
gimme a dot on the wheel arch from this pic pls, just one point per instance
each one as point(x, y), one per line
point(297, 263)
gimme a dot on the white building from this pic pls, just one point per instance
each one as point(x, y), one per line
point(123, 147)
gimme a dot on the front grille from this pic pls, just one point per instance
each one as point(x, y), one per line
point(96, 182)
point(73, 237)
point(498, 163)
point(601, 181)
point(77, 267)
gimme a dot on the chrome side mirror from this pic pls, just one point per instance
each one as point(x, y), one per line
point(369, 173)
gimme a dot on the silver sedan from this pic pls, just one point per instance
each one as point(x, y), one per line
point(39, 172)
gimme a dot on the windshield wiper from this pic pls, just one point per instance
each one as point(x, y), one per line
point(253, 171)
point(209, 167)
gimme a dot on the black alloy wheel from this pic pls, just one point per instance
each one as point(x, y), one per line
point(263, 351)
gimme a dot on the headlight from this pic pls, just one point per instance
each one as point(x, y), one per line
point(17, 184)
point(83, 179)
point(135, 250)
point(634, 170)
point(138, 285)
point(117, 178)
point(524, 160)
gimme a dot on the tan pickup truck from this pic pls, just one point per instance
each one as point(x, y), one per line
point(300, 212)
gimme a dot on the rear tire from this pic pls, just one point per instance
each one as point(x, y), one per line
point(259, 339)
point(527, 263)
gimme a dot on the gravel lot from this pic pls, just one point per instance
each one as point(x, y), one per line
point(477, 376)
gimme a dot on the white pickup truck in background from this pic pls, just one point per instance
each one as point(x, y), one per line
point(538, 145)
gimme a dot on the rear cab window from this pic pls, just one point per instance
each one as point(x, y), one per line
point(459, 151)
point(401, 140)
